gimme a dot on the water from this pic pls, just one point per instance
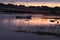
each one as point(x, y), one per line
point(9, 25)
point(37, 20)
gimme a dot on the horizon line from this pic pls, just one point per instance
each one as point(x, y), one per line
point(34, 4)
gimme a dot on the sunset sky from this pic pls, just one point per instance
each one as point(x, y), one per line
point(50, 3)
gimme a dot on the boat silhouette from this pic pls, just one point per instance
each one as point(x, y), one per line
point(52, 20)
point(22, 17)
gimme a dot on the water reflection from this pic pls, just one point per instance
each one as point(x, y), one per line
point(6, 21)
point(33, 21)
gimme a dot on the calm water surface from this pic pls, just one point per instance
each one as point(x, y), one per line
point(9, 25)
point(7, 22)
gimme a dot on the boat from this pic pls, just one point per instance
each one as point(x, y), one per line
point(22, 17)
point(52, 20)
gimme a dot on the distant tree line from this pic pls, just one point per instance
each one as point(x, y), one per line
point(37, 7)
point(53, 10)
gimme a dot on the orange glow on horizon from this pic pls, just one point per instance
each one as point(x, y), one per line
point(35, 3)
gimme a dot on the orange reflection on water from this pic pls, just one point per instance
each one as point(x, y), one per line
point(33, 21)
point(41, 21)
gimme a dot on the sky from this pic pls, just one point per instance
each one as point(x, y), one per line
point(50, 3)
